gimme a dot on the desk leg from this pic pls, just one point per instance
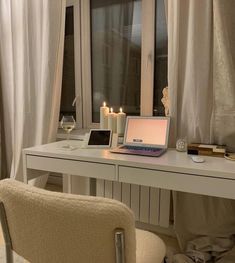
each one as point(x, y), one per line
point(74, 184)
point(164, 218)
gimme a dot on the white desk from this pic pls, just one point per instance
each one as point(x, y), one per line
point(173, 171)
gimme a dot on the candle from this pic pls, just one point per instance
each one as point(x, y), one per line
point(104, 110)
point(121, 122)
point(112, 121)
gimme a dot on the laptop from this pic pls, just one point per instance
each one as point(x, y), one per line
point(146, 136)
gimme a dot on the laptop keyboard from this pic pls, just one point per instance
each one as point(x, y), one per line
point(141, 148)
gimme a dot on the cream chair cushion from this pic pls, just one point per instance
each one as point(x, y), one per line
point(149, 247)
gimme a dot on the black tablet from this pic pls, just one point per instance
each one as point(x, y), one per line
point(99, 138)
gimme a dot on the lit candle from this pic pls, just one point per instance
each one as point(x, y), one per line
point(121, 122)
point(112, 121)
point(104, 110)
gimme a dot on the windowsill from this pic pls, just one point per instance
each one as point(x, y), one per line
point(76, 134)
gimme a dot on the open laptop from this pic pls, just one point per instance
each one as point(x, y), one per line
point(147, 136)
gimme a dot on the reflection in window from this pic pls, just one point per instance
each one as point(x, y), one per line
point(116, 55)
point(68, 81)
point(160, 76)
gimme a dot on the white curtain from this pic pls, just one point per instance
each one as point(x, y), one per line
point(3, 172)
point(31, 49)
point(111, 48)
point(224, 73)
point(190, 68)
point(202, 104)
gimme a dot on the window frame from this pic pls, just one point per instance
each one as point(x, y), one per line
point(77, 61)
point(82, 60)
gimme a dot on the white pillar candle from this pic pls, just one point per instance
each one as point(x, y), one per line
point(112, 121)
point(104, 110)
point(121, 122)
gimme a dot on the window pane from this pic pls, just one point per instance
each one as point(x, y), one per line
point(68, 82)
point(116, 55)
point(160, 81)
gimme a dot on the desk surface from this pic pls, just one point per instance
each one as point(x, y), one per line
point(171, 161)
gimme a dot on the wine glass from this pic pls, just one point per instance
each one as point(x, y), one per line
point(67, 124)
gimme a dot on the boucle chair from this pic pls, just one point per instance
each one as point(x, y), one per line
point(48, 227)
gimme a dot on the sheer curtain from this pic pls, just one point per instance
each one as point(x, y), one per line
point(202, 101)
point(3, 172)
point(112, 24)
point(31, 48)
point(224, 73)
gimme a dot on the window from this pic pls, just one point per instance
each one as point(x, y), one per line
point(71, 100)
point(115, 55)
point(114, 44)
point(68, 81)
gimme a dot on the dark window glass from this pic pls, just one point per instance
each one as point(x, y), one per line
point(160, 76)
point(68, 81)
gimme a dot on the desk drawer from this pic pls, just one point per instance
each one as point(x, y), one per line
point(191, 183)
point(72, 167)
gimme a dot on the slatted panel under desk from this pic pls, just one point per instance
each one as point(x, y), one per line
point(150, 205)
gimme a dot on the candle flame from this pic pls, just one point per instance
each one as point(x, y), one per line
point(104, 104)
point(121, 110)
point(111, 110)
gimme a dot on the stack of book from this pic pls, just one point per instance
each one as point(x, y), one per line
point(206, 149)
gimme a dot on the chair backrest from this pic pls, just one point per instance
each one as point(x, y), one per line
point(53, 227)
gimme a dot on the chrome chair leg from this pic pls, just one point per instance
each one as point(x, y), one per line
point(120, 246)
point(6, 234)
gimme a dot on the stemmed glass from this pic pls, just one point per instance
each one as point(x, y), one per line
point(68, 124)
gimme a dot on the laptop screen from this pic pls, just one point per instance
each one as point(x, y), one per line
point(151, 131)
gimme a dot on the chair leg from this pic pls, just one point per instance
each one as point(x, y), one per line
point(6, 234)
point(120, 246)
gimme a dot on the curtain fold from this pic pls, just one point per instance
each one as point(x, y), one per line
point(190, 69)
point(224, 73)
point(111, 46)
point(202, 102)
point(3, 166)
point(32, 39)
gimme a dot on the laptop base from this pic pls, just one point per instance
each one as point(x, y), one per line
point(135, 150)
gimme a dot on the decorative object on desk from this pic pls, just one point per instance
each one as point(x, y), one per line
point(229, 156)
point(165, 100)
point(181, 145)
point(67, 124)
point(121, 122)
point(197, 159)
point(206, 149)
point(104, 110)
point(112, 121)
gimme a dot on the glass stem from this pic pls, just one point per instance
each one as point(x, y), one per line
point(68, 137)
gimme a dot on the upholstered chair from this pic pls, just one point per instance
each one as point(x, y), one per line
point(49, 227)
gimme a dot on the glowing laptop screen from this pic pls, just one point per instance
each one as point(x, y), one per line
point(147, 131)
